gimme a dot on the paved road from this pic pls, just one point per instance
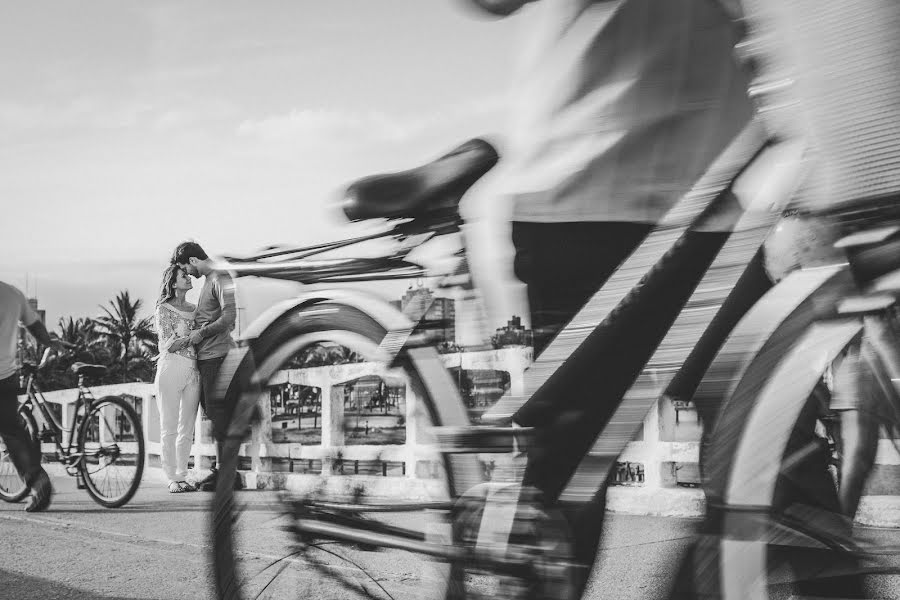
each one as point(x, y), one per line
point(156, 548)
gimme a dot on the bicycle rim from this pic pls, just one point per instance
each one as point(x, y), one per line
point(12, 486)
point(258, 551)
point(111, 444)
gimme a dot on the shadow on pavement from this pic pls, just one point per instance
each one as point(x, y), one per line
point(24, 587)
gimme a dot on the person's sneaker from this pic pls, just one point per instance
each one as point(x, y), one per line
point(208, 483)
point(41, 493)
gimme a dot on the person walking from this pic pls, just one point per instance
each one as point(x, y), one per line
point(25, 455)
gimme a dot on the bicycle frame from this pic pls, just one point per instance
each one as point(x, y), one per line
point(743, 213)
point(64, 448)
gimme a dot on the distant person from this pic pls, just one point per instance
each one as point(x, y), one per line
point(214, 318)
point(177, 377)
point(25, 455)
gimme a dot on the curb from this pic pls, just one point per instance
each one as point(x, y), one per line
point(874, 511)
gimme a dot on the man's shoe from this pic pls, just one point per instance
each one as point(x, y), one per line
point(208, 483)
point(41, 493)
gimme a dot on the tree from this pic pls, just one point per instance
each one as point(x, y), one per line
point(80, 334)
point(125, 333)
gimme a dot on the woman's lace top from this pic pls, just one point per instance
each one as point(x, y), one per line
point(172, 323)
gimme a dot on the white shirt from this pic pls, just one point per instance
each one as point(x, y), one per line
point(14, 309)
point(621, 106)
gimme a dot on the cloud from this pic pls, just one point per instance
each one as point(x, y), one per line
point(81, 112)
point(338, 127)
point(88, 113)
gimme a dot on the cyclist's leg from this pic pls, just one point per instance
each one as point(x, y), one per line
point(564, 264)
point(596, 376)
point(806, 491)
point(24, 455)
point(852, 397)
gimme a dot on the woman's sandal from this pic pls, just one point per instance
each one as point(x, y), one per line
point(179, 487)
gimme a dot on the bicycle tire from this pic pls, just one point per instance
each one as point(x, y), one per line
point(241, 378)
point(777, 494)
point(12, 487)
point(107, 456)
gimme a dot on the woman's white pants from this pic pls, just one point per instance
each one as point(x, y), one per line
point(178, 396)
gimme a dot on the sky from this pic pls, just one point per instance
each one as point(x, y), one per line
point(128, 126)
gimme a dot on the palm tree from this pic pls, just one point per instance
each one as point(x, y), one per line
point(124, 331)
point(80, 334)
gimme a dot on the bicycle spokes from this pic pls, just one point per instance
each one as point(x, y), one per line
point(111, 452)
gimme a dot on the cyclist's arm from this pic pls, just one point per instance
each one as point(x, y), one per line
point(39, 332)
point(32, 322)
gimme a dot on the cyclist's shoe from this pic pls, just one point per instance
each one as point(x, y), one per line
point(41, 493)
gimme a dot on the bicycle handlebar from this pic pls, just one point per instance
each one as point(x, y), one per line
point(45, 357)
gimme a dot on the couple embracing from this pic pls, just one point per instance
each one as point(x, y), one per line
point(193, 342)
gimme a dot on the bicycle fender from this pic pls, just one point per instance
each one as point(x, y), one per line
point(374, 306)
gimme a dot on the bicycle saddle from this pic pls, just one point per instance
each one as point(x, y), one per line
point(433, 187)
point(88, 370)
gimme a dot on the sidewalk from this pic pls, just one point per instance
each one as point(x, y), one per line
point(157, 547)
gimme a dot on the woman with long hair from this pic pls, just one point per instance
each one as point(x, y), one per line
point(177, 377)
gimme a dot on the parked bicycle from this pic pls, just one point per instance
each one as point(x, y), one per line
point(103, 448)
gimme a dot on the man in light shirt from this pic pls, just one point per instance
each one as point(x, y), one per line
point(14, 309)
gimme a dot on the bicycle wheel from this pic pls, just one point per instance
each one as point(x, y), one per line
point(12, 486)
point(774, 525)
point(262, 541)
point(111, 445)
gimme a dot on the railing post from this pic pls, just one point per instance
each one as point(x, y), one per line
point(261, 435)
point(417, 438)
point(332, 423)
point(658, 471)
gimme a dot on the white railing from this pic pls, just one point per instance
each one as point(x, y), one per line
point(413, 462)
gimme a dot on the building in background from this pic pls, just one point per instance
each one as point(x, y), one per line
point(420, 302)
point(512, 334)
point(24, 336)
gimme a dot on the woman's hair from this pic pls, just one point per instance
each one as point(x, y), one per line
point(167, 289)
